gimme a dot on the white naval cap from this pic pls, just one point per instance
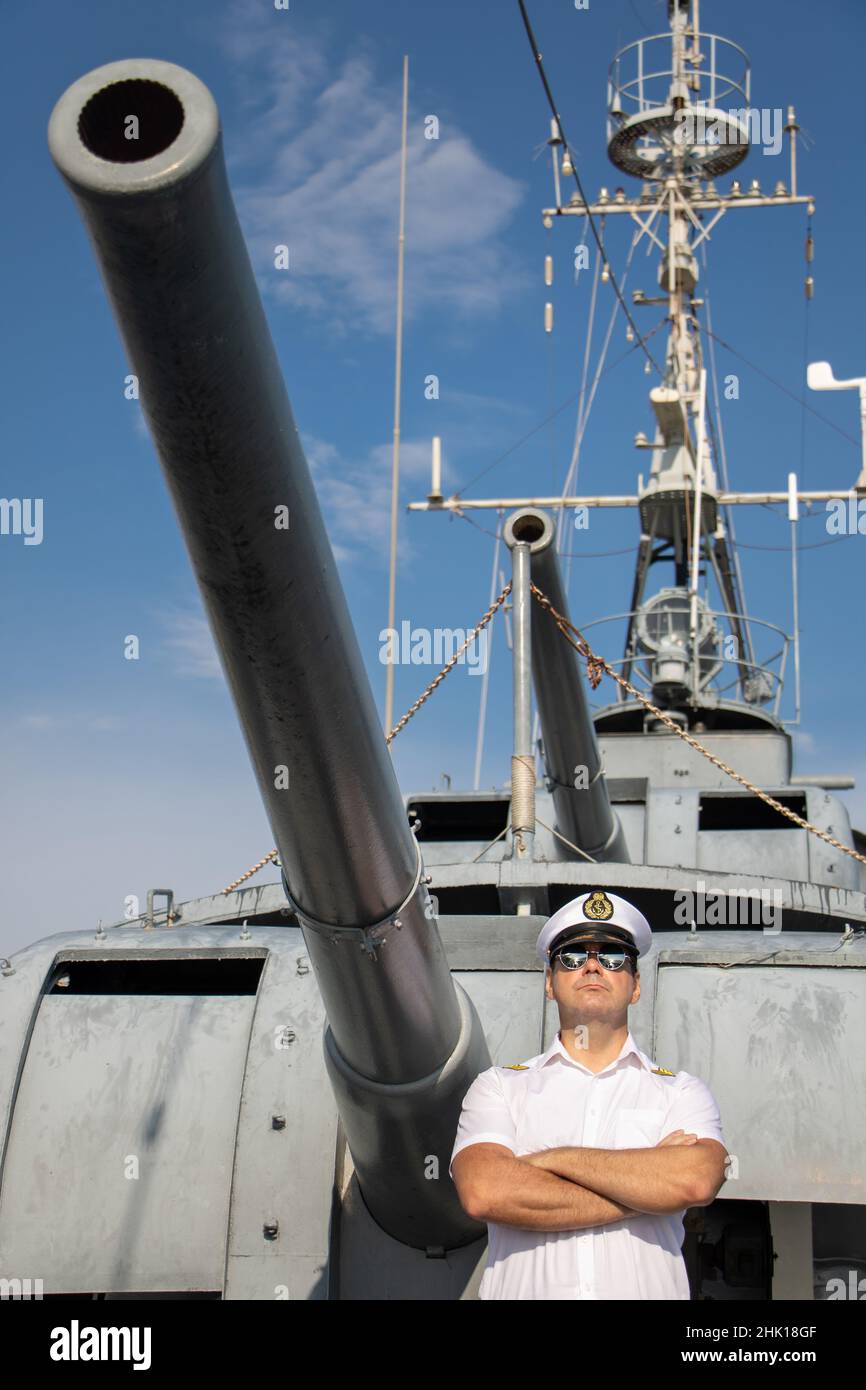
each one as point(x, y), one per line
point(598, 915)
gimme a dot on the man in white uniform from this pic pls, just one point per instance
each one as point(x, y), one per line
point(583, 1160)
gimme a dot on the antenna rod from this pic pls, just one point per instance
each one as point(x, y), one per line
point(398, 374)
point(696, 536)
point(523, 760)
point(792, 129)
point(554, 137)
point(436, 473)
point(485, 679)
point(793, 512)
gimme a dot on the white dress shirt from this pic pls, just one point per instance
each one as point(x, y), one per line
point(556, 1102)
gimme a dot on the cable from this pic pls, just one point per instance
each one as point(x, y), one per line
point(547, 418)
point(587, 353)
point(595, 554)
point(812, 545)
point(584, 412)
point(775, 508)
point(801, 400)
point(571, 554)
point(642, 22)
point(556, 116)
point(462, 516)
point(720, 452)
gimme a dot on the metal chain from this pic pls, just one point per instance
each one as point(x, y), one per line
point(401, 724)
point(597, 666)
point(249, 873)
point(413, 709)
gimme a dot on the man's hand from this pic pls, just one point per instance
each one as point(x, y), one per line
point(677, 1136)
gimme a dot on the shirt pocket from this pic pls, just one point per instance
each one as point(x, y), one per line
point(638, 1129)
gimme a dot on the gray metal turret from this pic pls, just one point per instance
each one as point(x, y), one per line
point(574, 768)
point(403, 1042)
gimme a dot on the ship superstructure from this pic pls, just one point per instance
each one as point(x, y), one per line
point(402, 934)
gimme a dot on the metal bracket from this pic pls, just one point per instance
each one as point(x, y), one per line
point(170, 917)
point(372, 935)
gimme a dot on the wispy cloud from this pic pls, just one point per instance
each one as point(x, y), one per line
point(188, 638)
point(355, 492)
point(317, 170)
point(75, 722)
point(41, 722)
point(355, 495)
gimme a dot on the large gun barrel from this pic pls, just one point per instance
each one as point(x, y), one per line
point(139, 145)
point(572, 760)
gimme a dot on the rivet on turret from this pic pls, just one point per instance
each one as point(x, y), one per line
point(278, 1122)
point(271, 1230)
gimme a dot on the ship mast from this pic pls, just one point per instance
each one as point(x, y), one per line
point(679, 117)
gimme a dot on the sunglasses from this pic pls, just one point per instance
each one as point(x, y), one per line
point(573, 958)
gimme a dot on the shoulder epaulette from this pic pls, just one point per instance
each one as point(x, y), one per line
point(516, 1066)
point(663, 1071)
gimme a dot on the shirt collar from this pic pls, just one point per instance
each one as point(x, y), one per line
point(629, 1048)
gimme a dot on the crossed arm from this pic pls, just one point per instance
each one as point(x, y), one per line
point(573, 1188)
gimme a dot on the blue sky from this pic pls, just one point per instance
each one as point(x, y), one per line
point(120, 775)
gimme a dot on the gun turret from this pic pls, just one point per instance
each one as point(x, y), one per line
point(583, 810)
point(139, 145)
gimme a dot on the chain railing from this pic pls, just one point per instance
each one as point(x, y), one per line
point(596, 669)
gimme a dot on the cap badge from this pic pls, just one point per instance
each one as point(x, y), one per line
point(598, 907)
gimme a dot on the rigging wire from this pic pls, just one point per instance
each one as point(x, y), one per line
point(485, 679)
point(583, 417)
point(808, 514)
point(575, 554)
point(801, 400)
point(541, 423)
point(587, 354)
point(720, 452)
point(641, 342)
point(642, 22)
point(578, 432)
point(597, 554)
point(812, 545)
